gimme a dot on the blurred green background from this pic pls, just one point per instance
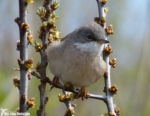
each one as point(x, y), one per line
point(130, 43)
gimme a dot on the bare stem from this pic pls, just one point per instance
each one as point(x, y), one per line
point(15, 69)
point(23, 86)
point(109, 97)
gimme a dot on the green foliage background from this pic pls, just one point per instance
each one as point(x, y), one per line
point(130, 44)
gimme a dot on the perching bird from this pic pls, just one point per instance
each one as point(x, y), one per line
point(77, 59)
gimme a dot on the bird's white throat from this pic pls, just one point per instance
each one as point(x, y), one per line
point(92, 47)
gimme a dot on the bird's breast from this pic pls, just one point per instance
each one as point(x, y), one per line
point(81, 68)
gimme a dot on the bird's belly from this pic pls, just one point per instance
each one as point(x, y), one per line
point(77, 67)
point(79, 80)
point(82, 73)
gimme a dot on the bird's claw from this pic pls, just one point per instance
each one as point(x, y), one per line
point(83, 93)
point(55, 81)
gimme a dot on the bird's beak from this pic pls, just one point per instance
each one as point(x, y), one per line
point(103, 41)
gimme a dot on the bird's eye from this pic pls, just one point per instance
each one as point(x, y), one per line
point(89, 37)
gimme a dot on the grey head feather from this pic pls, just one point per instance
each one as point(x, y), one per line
point(86, 33)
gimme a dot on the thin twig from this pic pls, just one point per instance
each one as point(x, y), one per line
point(99, 97)
point(15, 69)
point(36, 75)
point(109, 100)
point(100, 10)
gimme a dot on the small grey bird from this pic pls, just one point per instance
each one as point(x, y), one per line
point(77, 59)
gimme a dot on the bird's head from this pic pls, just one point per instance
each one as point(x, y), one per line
point(90, 37)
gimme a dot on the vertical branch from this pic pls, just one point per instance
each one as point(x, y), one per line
point(48, 34)
point(23, 61)
point(43, 65)
point(109, 95)
point(23, 86)
point(110, 104)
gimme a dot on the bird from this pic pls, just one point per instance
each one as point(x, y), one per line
point(77, 59)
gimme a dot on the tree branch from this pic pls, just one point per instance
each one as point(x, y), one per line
point(42, 71)
point(109, 96)
point(76, 91)
point(23, 86)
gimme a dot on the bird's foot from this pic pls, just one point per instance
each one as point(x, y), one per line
point(83, 93)
point(106, 75)
point(55, 81)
